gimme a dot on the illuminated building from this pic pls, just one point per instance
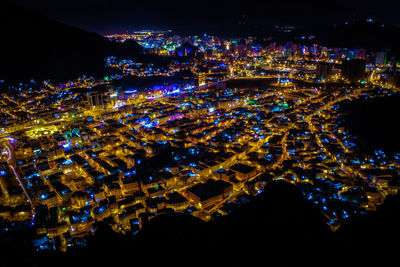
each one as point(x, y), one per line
point(95, 100)
point(243, 172)
point(210, 192)
point(185, 49)
point(380, 59)
point(201, 79)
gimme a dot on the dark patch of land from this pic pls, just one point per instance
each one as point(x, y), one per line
point(375, 122)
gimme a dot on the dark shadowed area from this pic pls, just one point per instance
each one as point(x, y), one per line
point(375, 122)
point(279, 226)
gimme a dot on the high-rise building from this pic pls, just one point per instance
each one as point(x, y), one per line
point(324, 70)
point(353, 70)
point(324, 52)
point(201, 79)
point(95, 100)
point(396, 64)
point(380, 59)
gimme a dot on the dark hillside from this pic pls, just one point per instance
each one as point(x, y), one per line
point(34, 46)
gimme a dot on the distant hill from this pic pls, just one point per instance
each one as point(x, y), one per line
point(366, 35)
point(34, 46)
point(361, 35)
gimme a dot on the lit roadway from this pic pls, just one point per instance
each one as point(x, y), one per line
point(313, 98)
point(285, 130)
point(306, 104)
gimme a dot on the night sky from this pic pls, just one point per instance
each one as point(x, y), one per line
point(107, 16)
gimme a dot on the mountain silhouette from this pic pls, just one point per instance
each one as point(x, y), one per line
point(38, 47)
point(367, 35)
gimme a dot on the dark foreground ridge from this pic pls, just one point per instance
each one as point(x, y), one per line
point(280, 220)
point(280, 226)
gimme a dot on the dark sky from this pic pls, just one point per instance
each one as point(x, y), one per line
point(106, 16)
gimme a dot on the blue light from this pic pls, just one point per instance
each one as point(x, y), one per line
point(66, 145)
point(66, 162)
